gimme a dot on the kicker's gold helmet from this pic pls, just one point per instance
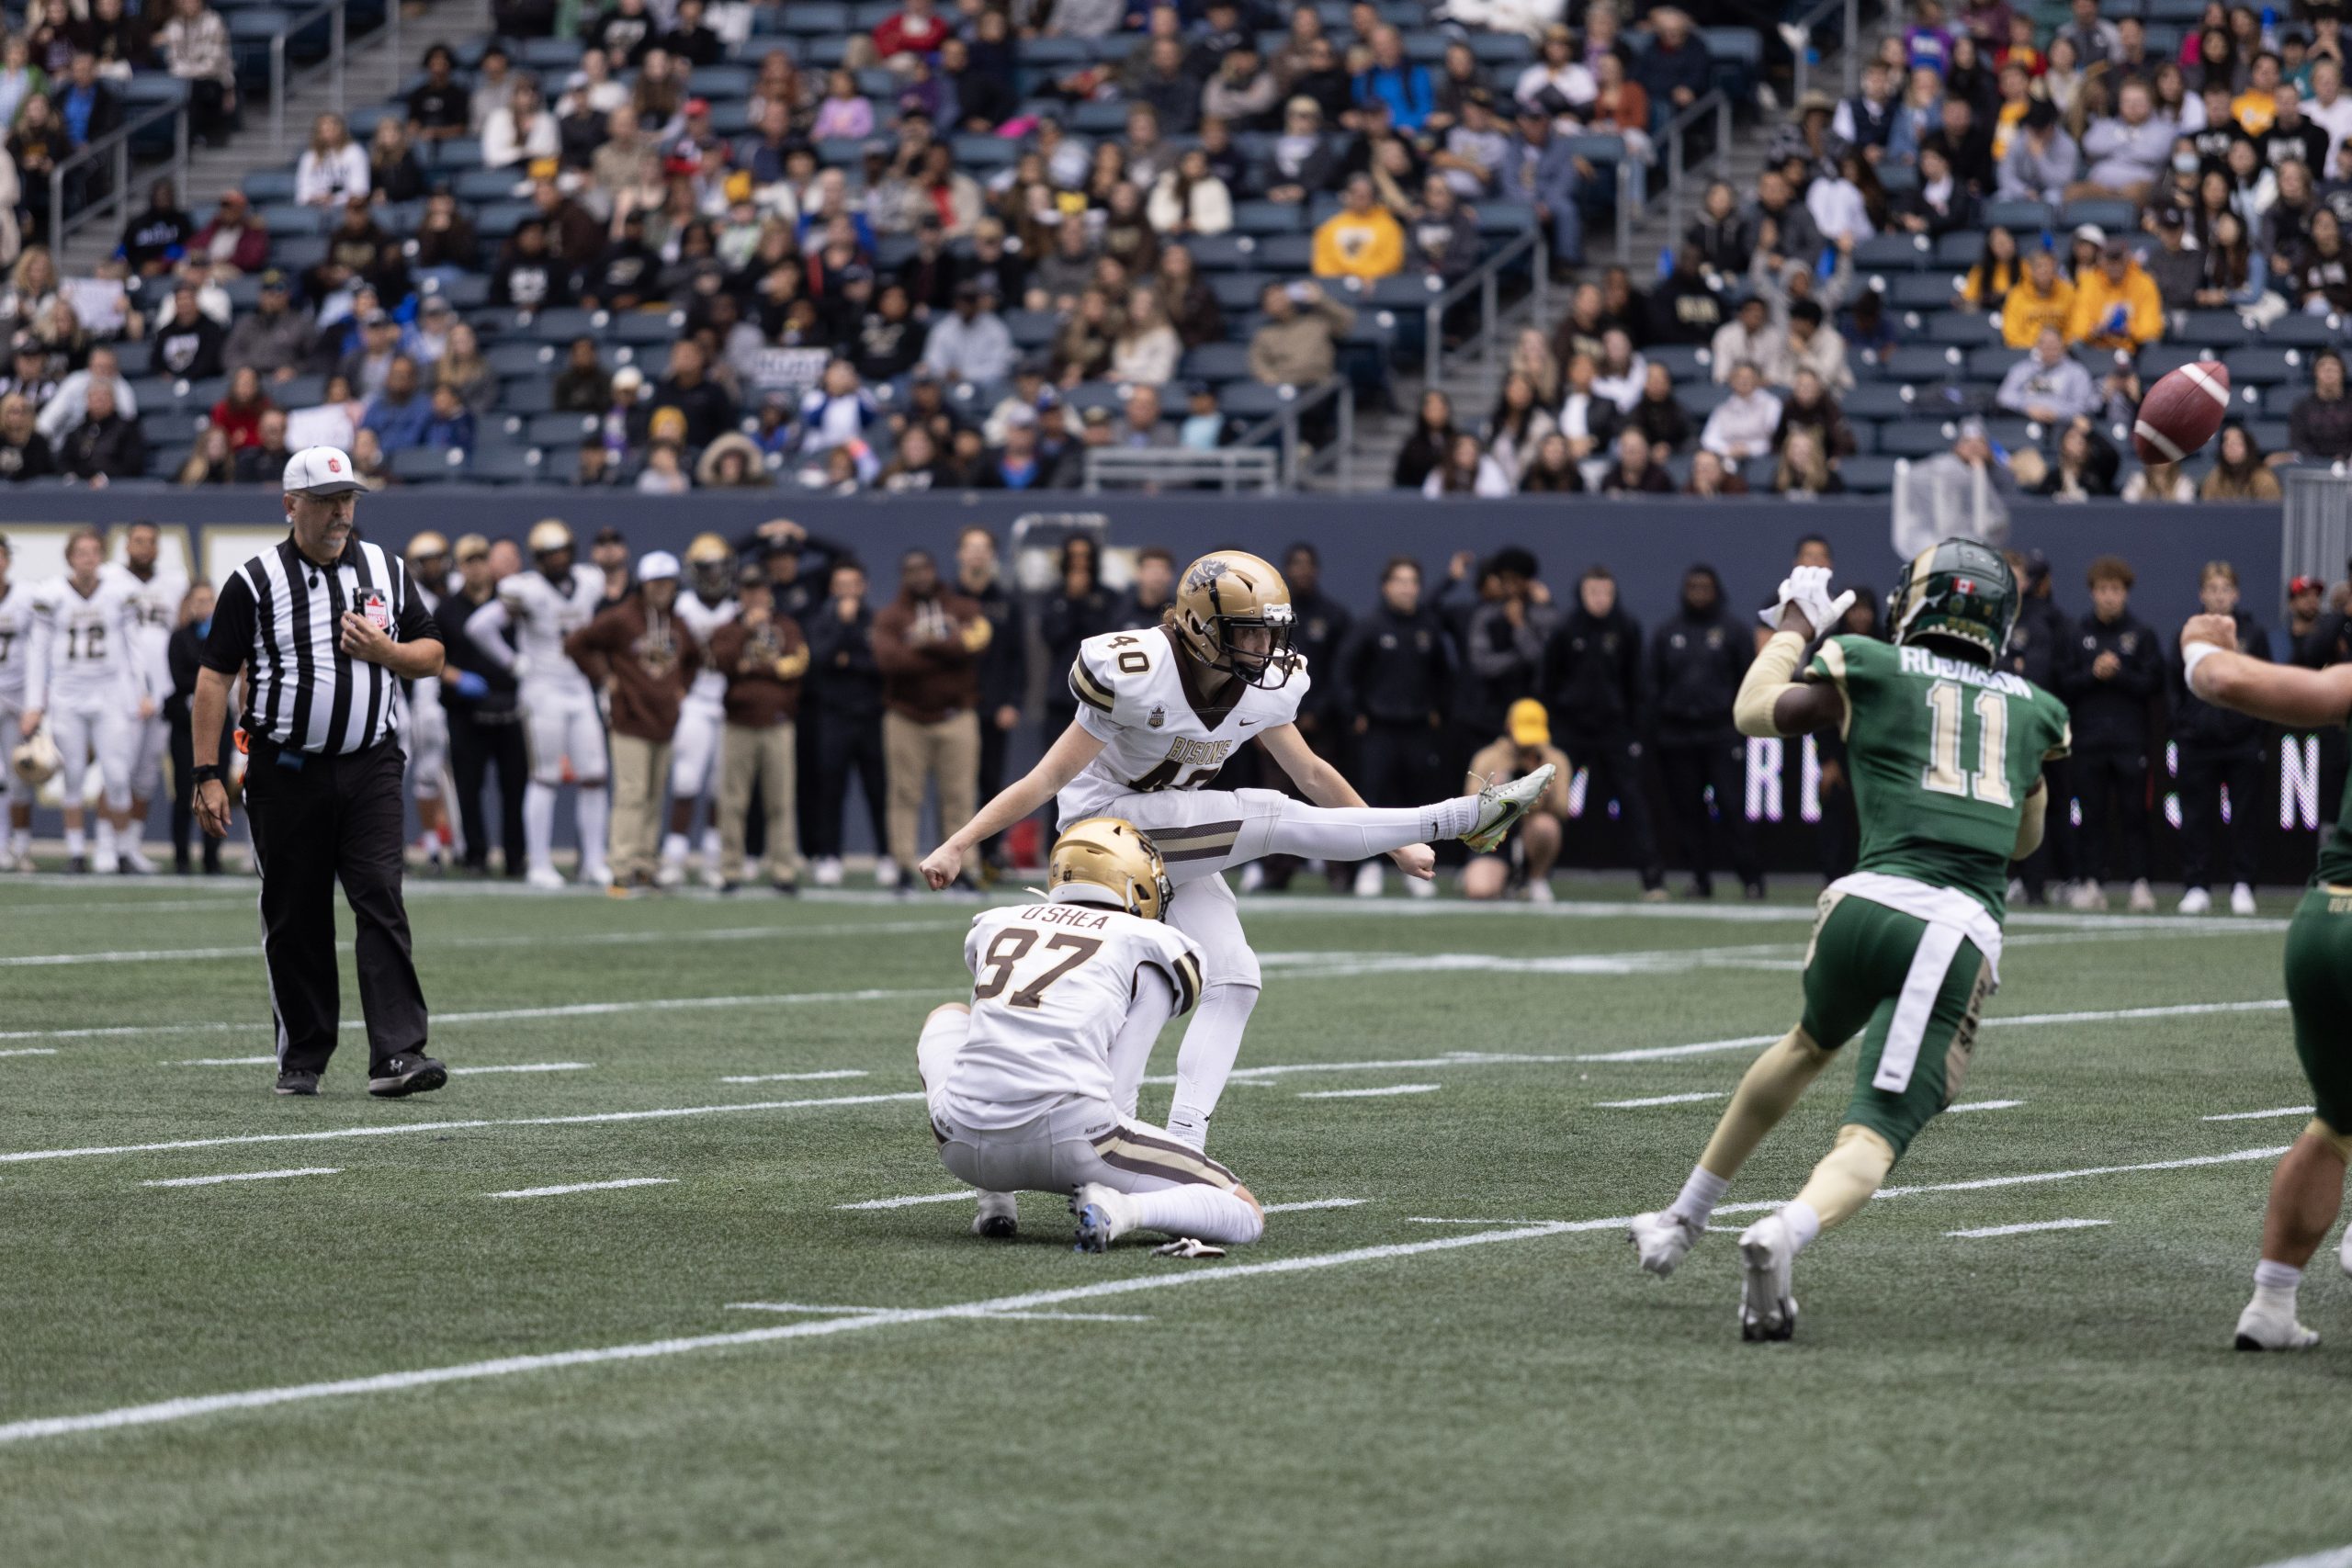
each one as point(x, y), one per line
point(1114, 854)
point(427, 544)
point(710, 561)
point(548, 537)
point(1230, 593)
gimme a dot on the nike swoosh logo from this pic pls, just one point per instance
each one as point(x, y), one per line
point(1247, 722)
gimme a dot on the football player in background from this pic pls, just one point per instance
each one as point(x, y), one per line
point(426, 728)
point(1160, 710)
point(157, 593)
point(16, 650)
point(2307, 1190)
point(1946, 750)
point(707, 604)
point(561, 720)
point(1031, 1084)
point(85, 676)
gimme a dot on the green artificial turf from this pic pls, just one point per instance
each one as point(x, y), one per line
point(1525, 1397)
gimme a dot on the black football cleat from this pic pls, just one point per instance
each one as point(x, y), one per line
point(295, 1080)
point(406, 1074)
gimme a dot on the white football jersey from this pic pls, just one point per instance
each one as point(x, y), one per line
point(1051, 986)
point(85, 647)
point(155, 607)
point(543, 613)
point(1131, 696)
point(710, 685)
point(16, 648)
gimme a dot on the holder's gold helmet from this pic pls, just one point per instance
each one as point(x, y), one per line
point(1233, 611)
point(427, 544)
point(548, 537)
point(1114, 855)
point(711, 561)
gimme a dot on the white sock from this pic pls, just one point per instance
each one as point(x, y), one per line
point(1696, 1203)
point(73, 841)
point(673, 849)
point(1360, 832)
point(106, 837)
point(1202, 1211)
point(594, 814)
point(20, 841)
point(538, 824)
point(1803, 1223)
point(2275, 1284)
point(710, 846)
point(1205, 1058)
point(135, 833)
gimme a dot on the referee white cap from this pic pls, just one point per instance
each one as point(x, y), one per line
point(655, 564)
point(320, 471)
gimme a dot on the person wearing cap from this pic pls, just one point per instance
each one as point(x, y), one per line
point(1524, 860)
point(322, 628)
point(608, 553)
point(643, 657)
point(2116, 303)
point(2177, 270)
point(233, 237)
point(764, 657)
point(275, 337)
point(972, 344)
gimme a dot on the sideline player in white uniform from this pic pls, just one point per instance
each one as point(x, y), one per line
point(16, 650)
point(84, 677)
point(559, 705)
point(1160, 710)
point(157, 593)
point(710, 563)
point(1031, 1084)
point(425, 731)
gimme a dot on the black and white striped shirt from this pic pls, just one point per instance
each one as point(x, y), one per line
point(280, 613)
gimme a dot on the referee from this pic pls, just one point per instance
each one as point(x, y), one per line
point(324, 627)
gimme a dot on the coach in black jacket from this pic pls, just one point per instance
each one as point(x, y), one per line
point(2218, 748)
point(843, 704)
point(1697, 660)
point(1396, 674)
point(1005, 664)
point(485, 718)
point(1592, 685)
point(2115, 665)
point(2040, 646)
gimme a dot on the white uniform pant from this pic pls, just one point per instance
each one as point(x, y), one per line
point(695, 748)
point(13, 790)
point(152, 743)
point(106, 730)
point(425, 734)
point(1200, 833)
point(565, 730)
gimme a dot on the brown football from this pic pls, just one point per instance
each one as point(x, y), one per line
point(2181, 411)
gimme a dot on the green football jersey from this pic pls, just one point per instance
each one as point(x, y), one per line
point(1941, 755)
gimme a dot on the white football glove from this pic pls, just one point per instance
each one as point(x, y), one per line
point(1807, 587)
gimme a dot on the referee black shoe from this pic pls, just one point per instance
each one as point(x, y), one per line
point(405, 1074)
point(295, 1080)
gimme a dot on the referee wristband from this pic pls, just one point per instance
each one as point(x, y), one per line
point(208, 773)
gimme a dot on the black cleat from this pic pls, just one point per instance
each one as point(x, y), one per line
point(294, 1080)
point(406, 1074)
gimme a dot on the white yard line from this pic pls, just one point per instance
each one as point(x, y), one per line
point(963, 1192)
point(1983, 1105)
point(2037, 1225)
point(2259, 1115)
point(32, 1051)
point(1372, 1094)
point(586, 1187)
point(531, 939)
point(272, 1061)
point(2340, 1558)
point(994, 1316)
point(246, 1175)
point(1661, 1100)
point(1314, 1203)
point(388, 1130)
point(798, 1078)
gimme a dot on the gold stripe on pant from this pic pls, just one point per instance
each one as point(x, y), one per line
point(640, 769)
point(761, 755)
point(915, 753)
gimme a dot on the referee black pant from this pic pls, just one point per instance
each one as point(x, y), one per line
point(333, 819)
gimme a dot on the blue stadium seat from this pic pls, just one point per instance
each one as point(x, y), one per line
point(2210, 328)
point(559, 431)
point(1216, 362)
point(470, 186)
point(1992, 362)
point(468, 292)
point(1268, 218)
point(548, 53)
point(1506, 218)
point(2270, 434)
point(1919, 291)
point(515, 359)
point(648, 328)
point(1286, 252)
point(2160, 359)
point(2017, 217)
point(504, 465)
point(2015, 435)
point(1970, 329)
point(978, 155)
point(1700, 399)
point(1056, 52)
point(1868, 476)
point(456, 152)
point(1958, 249)
point(2115, 216)
point(563, 323)
point(1238, 291)
point(816, 19)
point(498, 219)
point(264, 186)
point(1248, 399)
point(2279, 401)
point(1913, 362)
point(533, 395)
point(2266, 367)
point(428, 465)
point(1684, 362)
point(299, 393)
point(1913, 438)
point(720, 81)
point(284, 218)
point(1100, 119)
point(1892, 253)
point(1224, 252)
point(1408, 290)
point(294, 252)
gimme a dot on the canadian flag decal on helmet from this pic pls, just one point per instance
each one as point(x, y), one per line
point(1964, 585)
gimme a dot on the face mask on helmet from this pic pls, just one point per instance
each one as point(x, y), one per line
point(1959, 598)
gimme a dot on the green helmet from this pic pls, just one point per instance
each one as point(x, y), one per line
point(1960, 591)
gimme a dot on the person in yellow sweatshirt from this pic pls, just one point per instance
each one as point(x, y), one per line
point(2116, 304)
point(2042, 298)
point(1362, 240)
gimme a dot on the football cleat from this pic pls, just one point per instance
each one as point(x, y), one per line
point(2144, 898)
point(2197, 901)
point(1662, 1240)
point(672, 875)
point(2262, 1326)
point(1103, 1215)
point(827, 871)
point(1501, 806)
point(2242, 900)
point(134, 863)
point(886, 872)
point(79, 865)
point(2089, 897)
point(1767, 1311)
point(407, 1073)
point(596, 876)
point(998, 1217)
point(546, 877)
point(297, 1080)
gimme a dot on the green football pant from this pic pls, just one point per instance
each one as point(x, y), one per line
point(2319, 989)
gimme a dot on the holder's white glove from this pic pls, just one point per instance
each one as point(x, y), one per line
point(1807, 587)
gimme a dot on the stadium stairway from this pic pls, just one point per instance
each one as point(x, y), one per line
point(370, 75)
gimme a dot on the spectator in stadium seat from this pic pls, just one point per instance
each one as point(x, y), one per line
point(71, 402)
point(154, 238)
point(2116, 304)
point(971, 343)
point(2094, 37)
point(1620, 107)
point(401, 413)
point(2320, 426)
point(1402, 84)
point(232, 237)
point(1361, 240)
point(2128, 153)
point(368, 366)
point(332, 168)
point(1784, 229)
point(393, 174)
point(1866, 120)
point(1805, 342)
point(1554, 469)
point(576, 238)
point(447, 245)
point(1543, 169)
point(1445, 236)
point(1589, 420)
point(1966, 142)
point(2044, 299)
point(2239, 472)
point(2160, 483)
point(449, 426)
point(1634, 473)
point(1742, 426)
point(1242, 93)
point(837, 411)
point(2319, 277)
point(1620, 375)
point(528, 276)
point(238, 411)
point(2179, 271)
point(2050, 385)
point(1656, 414)
point(209, 462)
point(1804, 469)
point(1299, 161)
point(1674, 69)
point(689, 39)
point(437, 108)
point(1743, 338)
point(189, 349)
point(2256, 108)
point(1810, 407)
point(1297, 345)
point(523, 132)
point(85, 106)
point(1917, 114)
point(105, 445)
point(1139, 425)
point(2085, 469)
point(24, 450)
point(1426, 446)
point(2042, 160)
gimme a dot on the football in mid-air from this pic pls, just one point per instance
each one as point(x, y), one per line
point(2181, 411)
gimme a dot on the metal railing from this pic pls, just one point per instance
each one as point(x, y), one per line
point(111, 152)
point(1281, 428)
point(286, 79)
point(1850, 49)
point(2315, 525)
point(1487, 284)
point(1230, 468)
point(1715, 106)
